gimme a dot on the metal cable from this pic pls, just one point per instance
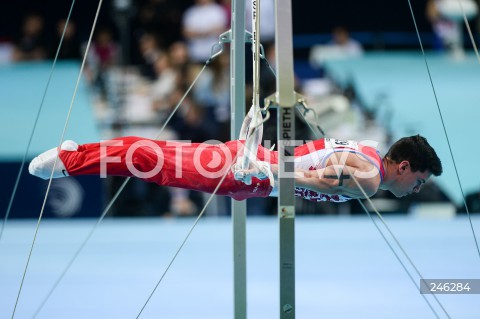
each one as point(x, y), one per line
point(17, 181)
point(472, 39)
point(396, 241)
point(191, 230)
point(445, 129)
point(56, 158)
point(112, 201)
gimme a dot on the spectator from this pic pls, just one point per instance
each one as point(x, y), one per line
point(202, 24)
point(212, 92)
point(150, 52)
point(344, 43)
point(70, 49)
point(178, 52)
point(102, 57)
point(180, 61)
point(189, 122)
point(31, 44)
point(446, 31)
point(342, 46)
point(446, 17)
point(162, 16)
point(163, 86)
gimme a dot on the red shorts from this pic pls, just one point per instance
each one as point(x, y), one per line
point(197, 166)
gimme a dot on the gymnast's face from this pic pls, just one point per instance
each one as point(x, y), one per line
point(408, 182)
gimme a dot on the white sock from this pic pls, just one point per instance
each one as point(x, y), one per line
point(42, 165)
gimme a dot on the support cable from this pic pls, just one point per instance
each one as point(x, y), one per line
point(210, 198)
point(56, 158)
point(113, 200)
point(472, 39)
point(24, 159)
point(445, 129)
point(254, 131)
point(399, 246)
point(394, 238)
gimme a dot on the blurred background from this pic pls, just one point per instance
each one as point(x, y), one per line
point(359, 65)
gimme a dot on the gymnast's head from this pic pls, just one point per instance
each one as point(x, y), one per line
point(409, 163)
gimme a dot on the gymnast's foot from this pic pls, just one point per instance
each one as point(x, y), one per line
point(42, 165)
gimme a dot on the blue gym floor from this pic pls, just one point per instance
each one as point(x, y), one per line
point(344, 269)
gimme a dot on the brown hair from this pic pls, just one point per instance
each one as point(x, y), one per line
point(416, 150)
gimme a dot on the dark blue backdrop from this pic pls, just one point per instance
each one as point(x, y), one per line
point(69, 197)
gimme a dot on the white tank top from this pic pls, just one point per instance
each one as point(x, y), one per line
point(314, 155)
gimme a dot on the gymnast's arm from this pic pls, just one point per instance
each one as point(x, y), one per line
point(337, 180)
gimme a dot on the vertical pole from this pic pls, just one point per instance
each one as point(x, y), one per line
point(239, 209)
point(285, 96)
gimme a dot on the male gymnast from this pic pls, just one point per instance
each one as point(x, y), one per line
point(325, 169)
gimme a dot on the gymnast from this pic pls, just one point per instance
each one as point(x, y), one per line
point(325, 169)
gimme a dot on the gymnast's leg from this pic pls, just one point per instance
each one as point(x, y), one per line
point(123, 156)
point(198, 167)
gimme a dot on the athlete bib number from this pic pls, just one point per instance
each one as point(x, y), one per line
point(334, 143)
